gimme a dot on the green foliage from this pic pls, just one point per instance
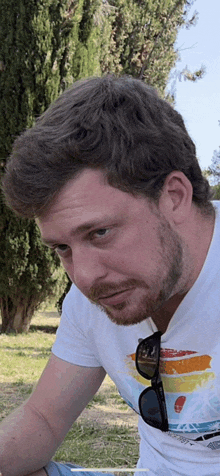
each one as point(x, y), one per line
point(32, 266)
point(193, 76)
point(142, 38)
point(214, 173)
point(28, 273)
point(134, 37)
point(86, 58)
point(214, 169)
point(37, 44)
point(59, 303)
point(216, 190)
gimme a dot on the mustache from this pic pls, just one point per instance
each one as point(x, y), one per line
point(107, 289)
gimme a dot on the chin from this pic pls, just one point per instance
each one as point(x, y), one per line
point(123, 316)
point(130, 313)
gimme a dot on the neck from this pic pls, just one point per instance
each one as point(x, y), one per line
point(195, 254)
point(163, 316)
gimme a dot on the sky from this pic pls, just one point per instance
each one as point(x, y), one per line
point(199, 102)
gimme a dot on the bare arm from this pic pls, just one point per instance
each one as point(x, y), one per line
point(30, 436)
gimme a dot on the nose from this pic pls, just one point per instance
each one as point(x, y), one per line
point(86, 268)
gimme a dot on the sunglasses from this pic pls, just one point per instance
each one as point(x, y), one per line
point(152, 403)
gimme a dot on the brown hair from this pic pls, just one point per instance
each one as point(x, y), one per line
point(118, 125)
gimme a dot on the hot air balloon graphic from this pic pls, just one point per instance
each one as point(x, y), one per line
point(184, 372)
point(188, 382)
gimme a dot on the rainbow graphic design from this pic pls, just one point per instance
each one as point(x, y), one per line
point(189, 387)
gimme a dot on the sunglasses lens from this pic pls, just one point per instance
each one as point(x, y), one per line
point(147, 357)
point(150, 408)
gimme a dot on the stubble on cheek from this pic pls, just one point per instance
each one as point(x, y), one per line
point(156, 292)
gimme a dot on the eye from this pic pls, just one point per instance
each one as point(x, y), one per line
point(99, 234)
point(62, 249)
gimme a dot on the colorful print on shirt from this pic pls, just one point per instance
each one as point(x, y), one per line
point(191, 390)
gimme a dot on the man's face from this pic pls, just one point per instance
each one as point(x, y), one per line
point(119, 250)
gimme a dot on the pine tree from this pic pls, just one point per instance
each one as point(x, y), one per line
point(214, 172)
point(143, 37)
point(214, 169)
point(36, 49)
point(134, 37)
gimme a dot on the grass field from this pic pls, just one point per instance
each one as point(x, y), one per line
point(105, 435)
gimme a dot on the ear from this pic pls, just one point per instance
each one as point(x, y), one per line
point(176, 197)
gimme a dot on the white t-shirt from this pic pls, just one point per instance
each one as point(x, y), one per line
point(190, 369)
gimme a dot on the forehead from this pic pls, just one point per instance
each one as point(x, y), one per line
point(90, 190)
point(90, 186)
point(86, 199)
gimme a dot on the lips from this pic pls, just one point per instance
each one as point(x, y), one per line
point(115, 298)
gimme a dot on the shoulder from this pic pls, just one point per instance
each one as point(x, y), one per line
point(78, 308)
point(76, 298)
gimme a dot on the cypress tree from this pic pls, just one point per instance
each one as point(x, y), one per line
point(144, 34)
point(37, 41)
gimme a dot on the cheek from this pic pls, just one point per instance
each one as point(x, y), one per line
point(135, 251)
point(131, 260)
point(68, 266)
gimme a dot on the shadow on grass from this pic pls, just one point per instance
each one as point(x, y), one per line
point(25, 351)
point(35, 328)
point(43, 328)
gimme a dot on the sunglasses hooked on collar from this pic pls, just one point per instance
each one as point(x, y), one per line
point(152, 403)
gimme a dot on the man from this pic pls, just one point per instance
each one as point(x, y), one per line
point(111, 177)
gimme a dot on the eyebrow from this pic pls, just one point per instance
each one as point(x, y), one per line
point(79, 230)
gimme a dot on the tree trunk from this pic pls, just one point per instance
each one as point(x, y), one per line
point(16, 317)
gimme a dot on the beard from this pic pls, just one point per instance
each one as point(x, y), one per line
point(150, 297)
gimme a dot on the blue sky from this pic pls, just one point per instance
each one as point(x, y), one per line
point(199, 102)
